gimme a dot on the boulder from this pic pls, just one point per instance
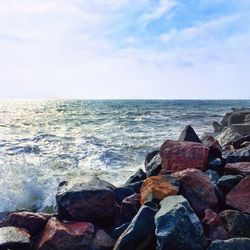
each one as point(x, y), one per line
point(177, 156)
point(242, 129)
point(227, 136)
point(102, 241)
point(140, 175)
point(59, 235)
point(236, 223)
point(14, 238)
point(150, 156)
point(215, 150)
point(242, 168)
point(231, 244)
point(177, 226)
point(153, 168)
point(239, 196)
point(121, 193)
point(213, 226)
point(130, 207)
point(239, 155)
point(92, 200)
point(236, 118)
point(136, 186)
point(118, 231)
point(217, 165)
point(239, 143)
point(32, 222)
point(158, 187)
point(198, 189)
point(217, 126)
point(227, 182)
point(213, 175)
point(188, 134)
point(140, 232)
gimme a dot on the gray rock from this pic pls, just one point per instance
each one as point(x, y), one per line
point(231, 244)
point(227, 136)
point(153, 168)
point(150, 156)
point(139, 175)
point(243, 129)
point(188, 134)
point(239, 155)
point(177, 226)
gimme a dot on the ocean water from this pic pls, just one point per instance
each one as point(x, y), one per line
point(45, 142)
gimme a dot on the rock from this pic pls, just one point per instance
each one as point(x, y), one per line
point(237, 144)
point(92, 200)
point(32, 222)
point(14, 238)
point(136, 186)
point(121, 193)
point(236, 223)
point(247, 119)
point(242, 129)
point(231, 244)
point(118, 231)
point(102, 241)
point(188, 134)
point(214, 176)
point(220, 197)
point(217, 165)
point(150, 156)
point(227, 182)
point(158, 187)
point(130, 207)
point(177, 226)
point(236, 118)
point(140, 175)
point(215, 150)
point(213, 226)
point(177, 156)
point(242, 168)
point(217, 126)
point(59, 235)
point(153, 168)
point(227, 136)
point(240, 155)
point(239, 196)
point(197, 188)
point(140, 232)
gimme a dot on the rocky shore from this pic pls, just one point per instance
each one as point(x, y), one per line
point(194, 193)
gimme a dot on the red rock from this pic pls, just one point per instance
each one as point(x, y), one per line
point(158, 187)
point(239, 196)
point(129, 207)
point(177, 155)
point(102, 241)
point(66, 235)
point(32, 222)
point(210, 141)
point(213, 226)
point(242, 168)
point(197, 188)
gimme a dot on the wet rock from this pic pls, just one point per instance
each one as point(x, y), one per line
point(136, 186)
point(214, 176)
point(140, 232)
point(59, 235)
point(14, 238)
point(102, 241)
point(227, 182)
point(213, 226)
point(239, 196)
point(236, 118)
point(197, 188)
point(240, 155)
point(32, 222)
point(121, 193)
point(231, 244)
point(237, 144)
point(153, 168)
point(242, 168)
point(177, 155)
point(150, 156)
point(217, 126)
point(140, 175)
point(217, 165)
point(130, 207)
point(158, 187)
point(177, 226)
point(242, 129)
point(118, 231)
point(236, 223)
point(188, 134)
point(92, 200)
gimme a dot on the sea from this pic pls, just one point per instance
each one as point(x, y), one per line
point(43, 142)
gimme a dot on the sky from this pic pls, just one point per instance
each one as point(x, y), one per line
point(122, 49)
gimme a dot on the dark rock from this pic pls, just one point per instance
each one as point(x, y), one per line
point(217, 126)
point(213, 175)
point(231, 244)
point(158, 187)
point(227, 182)
point(140, 175)
point(239, 196)
point(220, 197)
point(242, 168)
point(140, 232)
point(177, 226)
point(242, 129)
point(136, 186)
point(153, 168)
point(130, 207)
point(240, 155)
point(237, 144)
point(121, 193)
point(118, 231)
point(217, 165)
point(92, 200)
point(188, 134)
point(59, 235)
point(197, 188)
point(236, 223)
point(14, 238)
point(150, 156)
point(177, 156)
point(102, 241)
point(236, 118)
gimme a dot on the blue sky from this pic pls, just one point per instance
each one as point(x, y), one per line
point(166, 49)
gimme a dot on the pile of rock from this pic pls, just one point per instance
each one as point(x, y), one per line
point(193, 195)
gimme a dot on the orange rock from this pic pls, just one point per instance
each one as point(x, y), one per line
point(178, 155)
point(158, 187)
